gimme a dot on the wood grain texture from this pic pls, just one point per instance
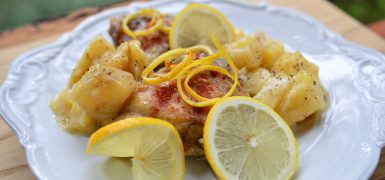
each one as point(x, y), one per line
point(39, 30)
point(13, 164)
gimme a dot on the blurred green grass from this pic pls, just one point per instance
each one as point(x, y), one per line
point(15, 13)
point(365, 11)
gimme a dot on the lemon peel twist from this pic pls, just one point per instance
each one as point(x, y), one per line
point(194, 49)
point(156, 22)
point(200, 69)
point(187, 68)
point(170, 55)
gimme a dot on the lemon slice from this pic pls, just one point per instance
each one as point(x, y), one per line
point(245, 139)
point(154, 145)
point(196, 24)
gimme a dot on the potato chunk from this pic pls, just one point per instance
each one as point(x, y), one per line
point(292, 63)
point(71, 116)
point(245, 53)
point(102, 91)
point(116, 59)
point(274, 90)
point(138, 59)
point(271, 53)
point(255, 80)
point(98, 47)
point(303, 99)
point(128, 57)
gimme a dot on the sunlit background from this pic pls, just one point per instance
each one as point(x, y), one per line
point(15, 13)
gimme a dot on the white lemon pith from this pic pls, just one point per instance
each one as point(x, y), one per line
point(196, 24)
point(154, 145)
point(245, 139)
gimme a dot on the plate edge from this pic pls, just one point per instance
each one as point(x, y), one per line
point(378, 142)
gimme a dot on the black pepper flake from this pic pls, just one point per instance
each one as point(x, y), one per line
point(314, 83)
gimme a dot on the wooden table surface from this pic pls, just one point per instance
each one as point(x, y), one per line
point(13, 164)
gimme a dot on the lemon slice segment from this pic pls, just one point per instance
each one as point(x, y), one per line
point(245, 139)
point(196, 24)
point(154, 145)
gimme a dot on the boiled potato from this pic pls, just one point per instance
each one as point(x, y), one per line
point(121, 116)
point(98, 47)
point(138, 59)
point(103, 90)
point(271, 52)
point(292, 63)
point(261, 40)
point(245, 53)
point(274, 90)
point(117, 59)
point(303, 99)
point(255, 80)
point(127, 115)
point(71, 116)
point(128, 57)
point(239, 34)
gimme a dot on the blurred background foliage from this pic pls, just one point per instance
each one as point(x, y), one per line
point(15, 13)
point(365, 11)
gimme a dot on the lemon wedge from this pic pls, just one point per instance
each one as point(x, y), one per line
point(245, 139)
point(154, 145)
point(196, 24)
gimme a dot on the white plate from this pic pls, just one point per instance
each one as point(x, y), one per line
point(344, 144)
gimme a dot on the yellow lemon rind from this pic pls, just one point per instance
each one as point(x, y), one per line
point(207, 128)
point(190, 7)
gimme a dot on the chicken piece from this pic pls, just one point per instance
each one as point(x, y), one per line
point(163, 101)
point(153, 45)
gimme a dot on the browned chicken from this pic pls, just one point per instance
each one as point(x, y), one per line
point(107, 86)
point(163, 101)
point(153, 45)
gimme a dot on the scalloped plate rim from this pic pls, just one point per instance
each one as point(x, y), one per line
point(28, 146)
